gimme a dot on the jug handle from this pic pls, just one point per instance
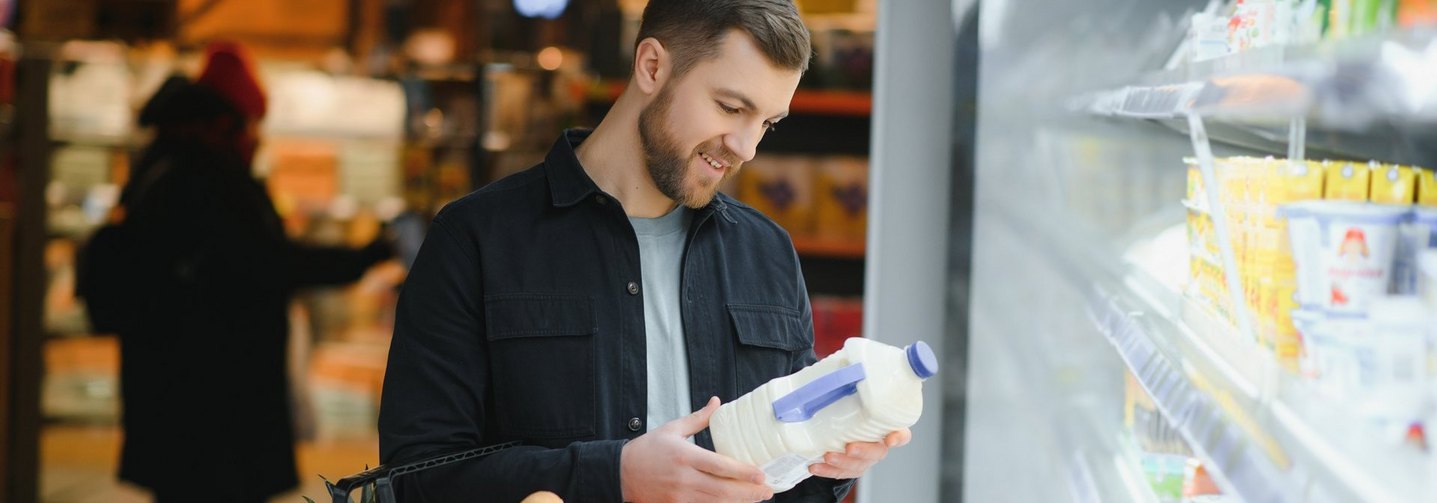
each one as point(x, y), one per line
point(801, 404)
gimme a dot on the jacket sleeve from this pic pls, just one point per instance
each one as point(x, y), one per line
point(437, 390)
point(813, 489)
point(311, 265)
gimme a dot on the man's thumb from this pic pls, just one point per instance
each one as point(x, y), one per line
point(696, 422)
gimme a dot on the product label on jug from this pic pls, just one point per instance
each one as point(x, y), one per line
point(788, 470)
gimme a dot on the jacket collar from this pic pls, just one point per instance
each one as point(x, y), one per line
point(568, 183)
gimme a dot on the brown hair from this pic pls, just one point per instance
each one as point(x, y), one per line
point(692, 29)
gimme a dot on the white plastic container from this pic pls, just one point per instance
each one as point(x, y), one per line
point(1305, 233)
point(1344, 252)
point(1415, 236)
point(1375, 364)
point(858, 394)
point(1426, 218)
point(1306, 321)
point(1427, 277)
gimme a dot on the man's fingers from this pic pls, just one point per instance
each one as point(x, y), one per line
point(828, 471)
point(847, 463)
point(722, 466)
point(898, 438)
point(693, 423)
point(867, 451)
point(542, 497)
point(726, 489)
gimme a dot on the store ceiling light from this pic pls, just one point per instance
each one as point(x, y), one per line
point(547, 9)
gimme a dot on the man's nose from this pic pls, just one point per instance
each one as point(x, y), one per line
point(744, 143)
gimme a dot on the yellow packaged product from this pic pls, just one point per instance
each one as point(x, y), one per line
point(1303, 181)
point(782, 188)
point(1200, 233)
point(841, 200)
point(1426, 186)
point(1347, 181)
point(1262, 325)
point(1393, 184)
point(1195, 186)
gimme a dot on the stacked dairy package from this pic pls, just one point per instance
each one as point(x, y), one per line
point(1368, 338)
point(1251, 191)
point(1329, 259)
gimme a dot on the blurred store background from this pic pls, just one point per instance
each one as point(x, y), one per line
point(377, 107)
point(1112, 218)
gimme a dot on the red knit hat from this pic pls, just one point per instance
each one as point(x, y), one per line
point(229, 70)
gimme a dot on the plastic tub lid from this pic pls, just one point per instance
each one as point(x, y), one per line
point(1426, 216)
point(1308, 315)
point(922, 359)
point(1368, 213)
point(1400, 309)
point(1293, 210)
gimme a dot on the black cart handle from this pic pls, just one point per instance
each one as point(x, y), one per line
point(382, 477)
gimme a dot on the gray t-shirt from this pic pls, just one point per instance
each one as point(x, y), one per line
point(661, 252)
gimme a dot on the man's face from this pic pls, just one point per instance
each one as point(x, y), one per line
point(700, 128)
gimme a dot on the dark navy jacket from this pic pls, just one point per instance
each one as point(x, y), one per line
point(523, 320)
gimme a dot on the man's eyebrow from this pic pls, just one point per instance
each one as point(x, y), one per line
point(747, 103)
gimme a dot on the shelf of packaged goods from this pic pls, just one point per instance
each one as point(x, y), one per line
point(1346, 85)
point(805, 101)
point(1266, 434)
point(829, 248)
point(66, 139)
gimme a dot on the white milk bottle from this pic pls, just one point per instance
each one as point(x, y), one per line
point(858, 394)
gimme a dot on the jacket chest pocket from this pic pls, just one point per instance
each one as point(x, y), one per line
point(770, 339)
point(542, 362)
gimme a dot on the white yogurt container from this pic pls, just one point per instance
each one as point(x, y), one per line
point(1344, 252)
point(1417, 234)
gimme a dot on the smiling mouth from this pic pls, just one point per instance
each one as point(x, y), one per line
point(717, 164)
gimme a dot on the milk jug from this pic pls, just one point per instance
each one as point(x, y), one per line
point(858, 394)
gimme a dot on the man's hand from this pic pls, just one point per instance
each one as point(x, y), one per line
point(858, 457)
point(663, 466)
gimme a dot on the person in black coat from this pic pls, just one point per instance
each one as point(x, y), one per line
point(206, 413)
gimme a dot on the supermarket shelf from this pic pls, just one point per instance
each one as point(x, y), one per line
point(805, 101)
point(98, 140)
point(1347, 84)
point(830, 248)
point(1242, 459)
point(1092, 455)
point(1264, 434)
point(818, 102)
point(1267, 432)
point(1367, 98)
point(1412, 144)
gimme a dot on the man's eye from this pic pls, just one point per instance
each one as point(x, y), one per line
point(728, 109)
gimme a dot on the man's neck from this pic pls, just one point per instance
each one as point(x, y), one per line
point(613, 156)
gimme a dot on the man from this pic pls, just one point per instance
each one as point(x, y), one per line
point(586, 306)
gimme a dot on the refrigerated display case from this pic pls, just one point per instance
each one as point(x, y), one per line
point(1096, 122)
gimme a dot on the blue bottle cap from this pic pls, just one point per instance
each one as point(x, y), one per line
point(922, 359)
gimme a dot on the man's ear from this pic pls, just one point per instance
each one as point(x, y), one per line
point(651, 65)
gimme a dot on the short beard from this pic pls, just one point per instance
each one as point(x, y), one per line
point(665, 159)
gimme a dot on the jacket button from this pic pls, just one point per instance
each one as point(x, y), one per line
point(633, 288)
point(601, 199)
point(635, 424)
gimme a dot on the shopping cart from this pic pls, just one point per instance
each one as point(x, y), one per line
point(377, 483)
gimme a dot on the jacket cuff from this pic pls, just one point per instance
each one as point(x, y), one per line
point(817, 489)
point(599, 469)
